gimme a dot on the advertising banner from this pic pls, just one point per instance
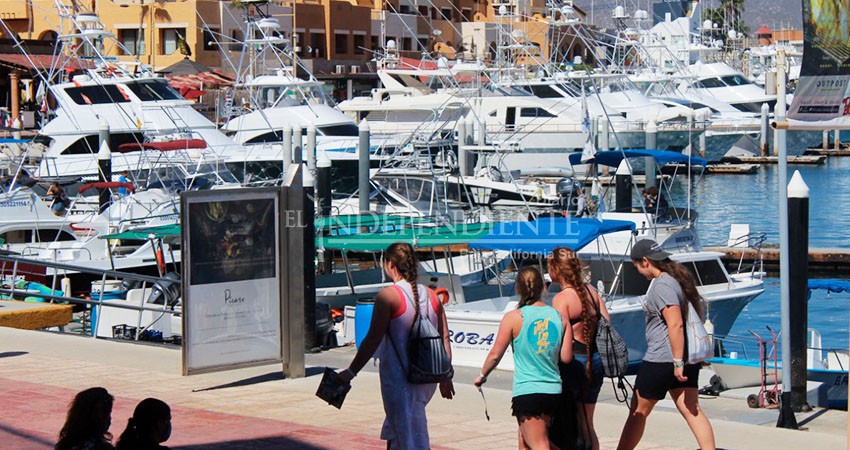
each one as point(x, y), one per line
point(232, 278)
point(823, 92)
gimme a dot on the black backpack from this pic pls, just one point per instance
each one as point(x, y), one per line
point(610, 345)
point(428, 360)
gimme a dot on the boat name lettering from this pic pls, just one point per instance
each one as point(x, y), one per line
point(14, 203)
point(470, 338)
point(229, 299)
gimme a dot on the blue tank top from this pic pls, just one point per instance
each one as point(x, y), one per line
point(536, 351)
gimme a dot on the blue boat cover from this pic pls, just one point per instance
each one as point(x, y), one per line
point(13, 141)
point(830, 285)
point(546, 233)
point(612, 158)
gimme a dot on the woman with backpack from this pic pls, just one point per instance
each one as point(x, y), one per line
point(396, 307)
point(582, 306)
point(539, 336)
point(663, 368)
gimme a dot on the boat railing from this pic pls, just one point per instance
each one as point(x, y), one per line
point(752, 241)
point(37, 251)
point(722, 346)
point(15, 268)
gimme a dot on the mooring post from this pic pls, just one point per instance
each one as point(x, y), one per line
point(798, 279)
point(623, 178)
point(363, 167)
point(651, 144)
point(765, 128)
point(287, 149)
point(104, 164)
point(297, 146)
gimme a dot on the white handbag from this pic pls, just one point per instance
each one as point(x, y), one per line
point(700, 343)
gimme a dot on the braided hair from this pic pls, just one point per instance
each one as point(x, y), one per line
point(403, 258)
point(529, 286)
point(566, 266)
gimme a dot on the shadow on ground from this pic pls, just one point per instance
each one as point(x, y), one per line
point(31, 440)
point(278, 443)
point(11, 354)
point(271, 376)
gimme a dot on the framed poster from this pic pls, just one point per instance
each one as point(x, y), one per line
point(232, 278)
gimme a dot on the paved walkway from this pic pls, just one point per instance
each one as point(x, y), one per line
point(256, 409)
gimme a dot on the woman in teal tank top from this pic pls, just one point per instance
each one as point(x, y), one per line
point(539, 336)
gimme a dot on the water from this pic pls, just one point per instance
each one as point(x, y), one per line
point(722, 200)
point(828, 313)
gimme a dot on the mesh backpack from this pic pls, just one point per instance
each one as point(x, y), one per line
point(428, 360)
point(614, 352)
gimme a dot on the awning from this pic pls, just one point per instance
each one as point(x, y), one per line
point(541, 236)
point(19, 61)
point(165, 232)
point(417, 237)
point(829, 285)
point(350, 224)
point(613, 158)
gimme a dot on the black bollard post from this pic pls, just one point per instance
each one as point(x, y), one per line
point(798, 279)
point(363, 155)
point(623, 192)
point(104, 164)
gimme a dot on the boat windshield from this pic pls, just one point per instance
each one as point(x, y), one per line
point(286, 96)
point(153, 90)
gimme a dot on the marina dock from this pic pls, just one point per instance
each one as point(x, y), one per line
point(831, 262)
point(255, 408)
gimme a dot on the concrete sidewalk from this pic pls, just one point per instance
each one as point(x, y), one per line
point(256, 408)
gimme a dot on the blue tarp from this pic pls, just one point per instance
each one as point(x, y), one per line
point(546, 233)
point(830, 285)
point(612, 158)
point(13, 141)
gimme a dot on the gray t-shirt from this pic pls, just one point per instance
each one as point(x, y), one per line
point(664, 291)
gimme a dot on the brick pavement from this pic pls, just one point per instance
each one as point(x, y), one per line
point(31, 415)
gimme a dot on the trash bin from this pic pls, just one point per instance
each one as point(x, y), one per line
point(362, 319)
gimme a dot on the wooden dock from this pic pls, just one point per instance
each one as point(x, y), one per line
point(792, 159)
point(843, 151)
point(823, 262)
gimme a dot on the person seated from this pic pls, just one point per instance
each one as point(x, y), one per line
point(60, 202)
point(87, 424)
point(148, 428)
point(653, 201)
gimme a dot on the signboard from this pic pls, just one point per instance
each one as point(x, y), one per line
point(232, 279)
point(823, 92)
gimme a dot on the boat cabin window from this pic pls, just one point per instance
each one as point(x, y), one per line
point(710, 83)
point(348, 130)
point(153, 90)
point(40, 235)
point(272, 136)
point(543, 91)
point(707, 272)
point(736, 80)
point(96, 95)
point(629, 280)
point(535, 112)
point(89, 145)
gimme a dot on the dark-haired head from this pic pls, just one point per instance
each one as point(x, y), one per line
point(150, 425)
point(88, 420)
point(529, 286)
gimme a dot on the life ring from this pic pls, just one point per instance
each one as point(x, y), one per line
point(443, 295)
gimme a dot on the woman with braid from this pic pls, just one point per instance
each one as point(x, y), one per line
point(582, 306)
point(539, 336)
point(405, 426)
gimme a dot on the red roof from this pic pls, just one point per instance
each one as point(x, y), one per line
point(764, 30)
point(19, 61)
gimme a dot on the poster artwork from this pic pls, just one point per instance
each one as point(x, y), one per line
point(823, 92)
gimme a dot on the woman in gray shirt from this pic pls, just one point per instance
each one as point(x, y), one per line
point(663, 368)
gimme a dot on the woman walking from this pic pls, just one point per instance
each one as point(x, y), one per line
point(87, 424)
point(539, 336)
point(663, 368)
point(582, 306)
point(405, 426)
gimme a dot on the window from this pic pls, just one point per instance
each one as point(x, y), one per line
point(341, 44)
point(711, 83)
point(375, 44)
point(89, 145)
point(707, 272)
point(543, 91)
point(133, 41)
point(49, 235)
point(736, 80)
point(407, 44)
point(359, 44)
point(169, 38)
point(317, 45)
point(211, 38)
point(535, 112)
point(94, 95)
point(237, 35)
point(339, 130)
point(273, 136)
point(446, 13)
point(467, 14)
point(152, 90)
point(423, 11)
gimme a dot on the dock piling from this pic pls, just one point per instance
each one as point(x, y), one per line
point(363, 167)
point(798, 279)
point(765, 127)
point(104, 164)
point(623, 192)
point(651, 144)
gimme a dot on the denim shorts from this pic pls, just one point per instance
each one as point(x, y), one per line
point(573, 377)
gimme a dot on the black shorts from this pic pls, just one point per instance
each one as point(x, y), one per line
point(654, 379)
point(535, 405)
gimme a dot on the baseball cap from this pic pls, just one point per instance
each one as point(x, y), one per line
point(647, 248)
